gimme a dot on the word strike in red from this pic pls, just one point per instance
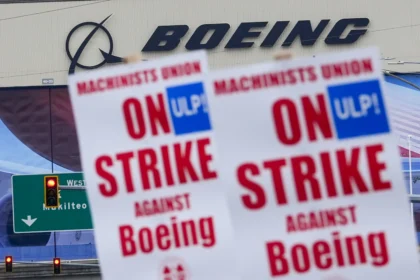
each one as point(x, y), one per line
point(312, 181)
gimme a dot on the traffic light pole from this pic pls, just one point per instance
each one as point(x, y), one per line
point(61, 187)
point(55, 246)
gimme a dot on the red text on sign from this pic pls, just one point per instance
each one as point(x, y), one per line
point(181, 70)
point(319, 219)
point(162, 205)
point(178, 234)
point(347, 68)
point(146, 115)
point(313, 181)
point(155, 167)
point(300, 75)
point(267, 80)
point(327, 254)
point(117, 82)
point(316, 119)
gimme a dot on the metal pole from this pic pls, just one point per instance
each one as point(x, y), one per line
point(55, 246)
point(55, 236)
point(411, 176)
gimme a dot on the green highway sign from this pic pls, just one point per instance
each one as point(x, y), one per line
point(30, 213)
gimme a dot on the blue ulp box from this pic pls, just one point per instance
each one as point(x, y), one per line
point(358, 109)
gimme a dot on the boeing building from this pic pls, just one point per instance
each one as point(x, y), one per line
point(42, 43)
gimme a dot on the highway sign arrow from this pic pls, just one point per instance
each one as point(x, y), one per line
point(29, 221)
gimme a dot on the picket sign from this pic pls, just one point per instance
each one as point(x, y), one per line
point(158, 207)
point(315, 182)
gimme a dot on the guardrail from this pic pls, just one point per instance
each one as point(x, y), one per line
point(85, 269)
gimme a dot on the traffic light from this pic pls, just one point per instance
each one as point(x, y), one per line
point(57, 265)
point(51, 198)
point(8, 262)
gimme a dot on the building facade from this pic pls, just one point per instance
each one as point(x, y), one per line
point(41, 44)
point(39, 41)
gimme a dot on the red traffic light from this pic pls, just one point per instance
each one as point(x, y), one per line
point(8, 260)
point(57, 265)
point(51, 189)
point(51, 183)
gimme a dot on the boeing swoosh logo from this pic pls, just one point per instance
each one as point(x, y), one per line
point(108, 57)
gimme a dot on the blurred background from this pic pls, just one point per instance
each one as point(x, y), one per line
point(37, 135)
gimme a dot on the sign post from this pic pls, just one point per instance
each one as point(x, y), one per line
point(314, 174)
point(30, 214)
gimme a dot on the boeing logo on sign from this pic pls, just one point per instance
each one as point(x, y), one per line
point(107, 56)
point(210, 36)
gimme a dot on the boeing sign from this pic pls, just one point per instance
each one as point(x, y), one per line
point(108, 57)
point(167, 38)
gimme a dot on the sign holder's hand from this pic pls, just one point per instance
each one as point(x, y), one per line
point(283, 55)
point(132, 58)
